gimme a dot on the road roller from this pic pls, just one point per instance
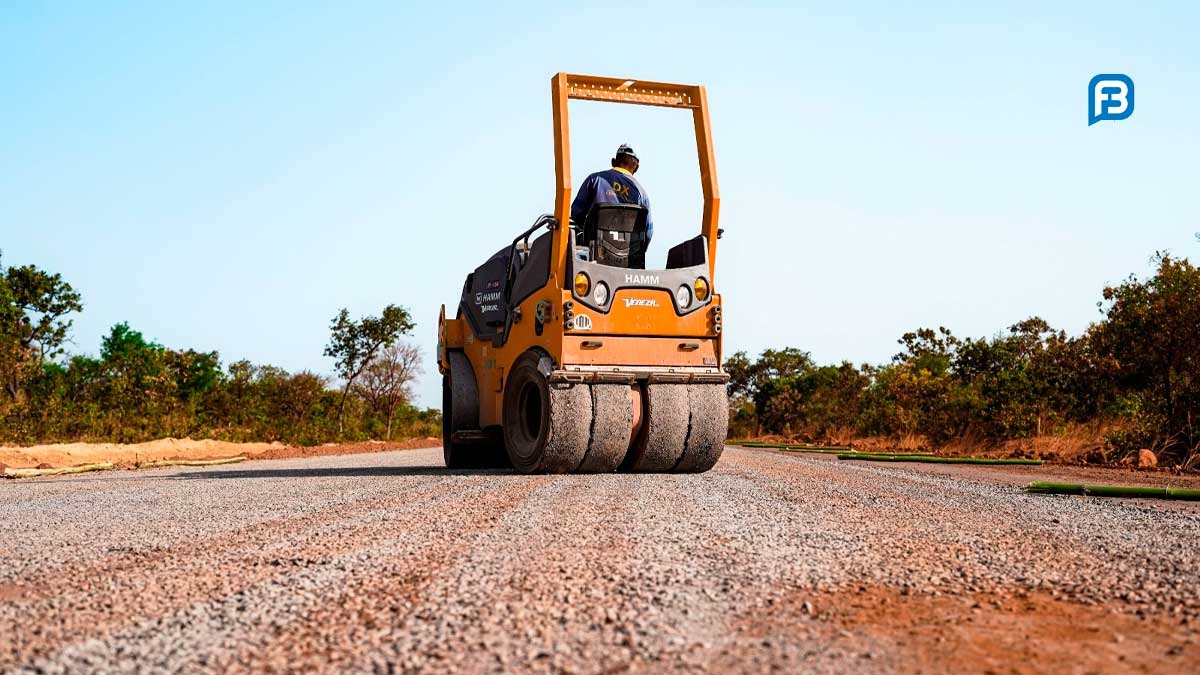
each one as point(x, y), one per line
point(565, 354)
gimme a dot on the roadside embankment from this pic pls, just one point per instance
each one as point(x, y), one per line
point(135, 455)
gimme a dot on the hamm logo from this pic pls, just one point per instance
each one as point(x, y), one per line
point(642, 279)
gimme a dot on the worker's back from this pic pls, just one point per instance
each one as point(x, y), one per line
point(612, 186)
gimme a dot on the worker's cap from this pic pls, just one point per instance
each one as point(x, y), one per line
point(626, 150)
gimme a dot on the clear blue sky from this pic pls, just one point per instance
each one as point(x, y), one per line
point(225, 177)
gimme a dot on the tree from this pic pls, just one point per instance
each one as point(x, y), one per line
point(292, 400)
point(33, 327)
point(832, 398)
point(385, 381)
point(767, 382)
point(781, 363)
point(44, 299)
point(776, 368)
point(743, 419)
point(914, 394)
point(1152, 332)
point(195, 373)
point(926, 349)
point(353, 344)
point(741, 374)
point(134, 390)
point(11, 354)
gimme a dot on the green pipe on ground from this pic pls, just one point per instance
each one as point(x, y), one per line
point(791, 446)
point(1114, 491)
point(935, 460)
point(821, 449)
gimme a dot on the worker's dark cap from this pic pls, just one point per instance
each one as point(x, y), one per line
point(627, 151)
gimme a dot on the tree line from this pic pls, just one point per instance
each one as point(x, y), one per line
point(137, 390)
point(1133, 376)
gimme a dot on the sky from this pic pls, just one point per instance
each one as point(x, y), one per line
point(225, 177)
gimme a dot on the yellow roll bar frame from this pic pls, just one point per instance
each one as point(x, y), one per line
point(564, 86)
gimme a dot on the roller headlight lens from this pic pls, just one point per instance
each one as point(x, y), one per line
point(683, 297)
point(701, 287)
point(582, 284)
point(600, 295)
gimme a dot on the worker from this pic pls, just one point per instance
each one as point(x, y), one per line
point(614, 186)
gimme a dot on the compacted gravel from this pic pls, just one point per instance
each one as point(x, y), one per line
point(770, 562)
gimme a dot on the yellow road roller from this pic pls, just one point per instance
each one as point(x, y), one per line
point(565, 354)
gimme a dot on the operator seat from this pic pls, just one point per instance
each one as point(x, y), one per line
point(615, 235)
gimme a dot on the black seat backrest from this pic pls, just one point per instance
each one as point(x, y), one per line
point(534, 270)
point(616, 235)
point(692, 252)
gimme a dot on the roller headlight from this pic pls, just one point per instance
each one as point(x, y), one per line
point(600, 295)
point(701, 287)
point(683, 297)
point(582, 284)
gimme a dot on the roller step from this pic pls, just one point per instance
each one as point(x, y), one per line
point(469, 436)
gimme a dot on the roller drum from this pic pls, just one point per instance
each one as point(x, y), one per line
point(612, 419)
point(666, 428)
point(570, 424)
point(708, 425)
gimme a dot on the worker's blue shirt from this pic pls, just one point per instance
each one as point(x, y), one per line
point(615, 186)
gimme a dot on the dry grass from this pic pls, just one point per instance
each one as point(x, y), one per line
point(909, 443)
point(842, 436)
point(1075, 444)
point(1192, 460)
point(1072, 445)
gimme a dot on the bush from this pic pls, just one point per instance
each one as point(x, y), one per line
point(1137, 372)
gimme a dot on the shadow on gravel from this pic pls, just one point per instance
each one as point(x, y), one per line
point(339, 472)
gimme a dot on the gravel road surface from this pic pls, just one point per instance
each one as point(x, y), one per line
point(771, 562)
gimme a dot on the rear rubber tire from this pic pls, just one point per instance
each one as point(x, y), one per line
point(460, 412)
point(546, 426)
